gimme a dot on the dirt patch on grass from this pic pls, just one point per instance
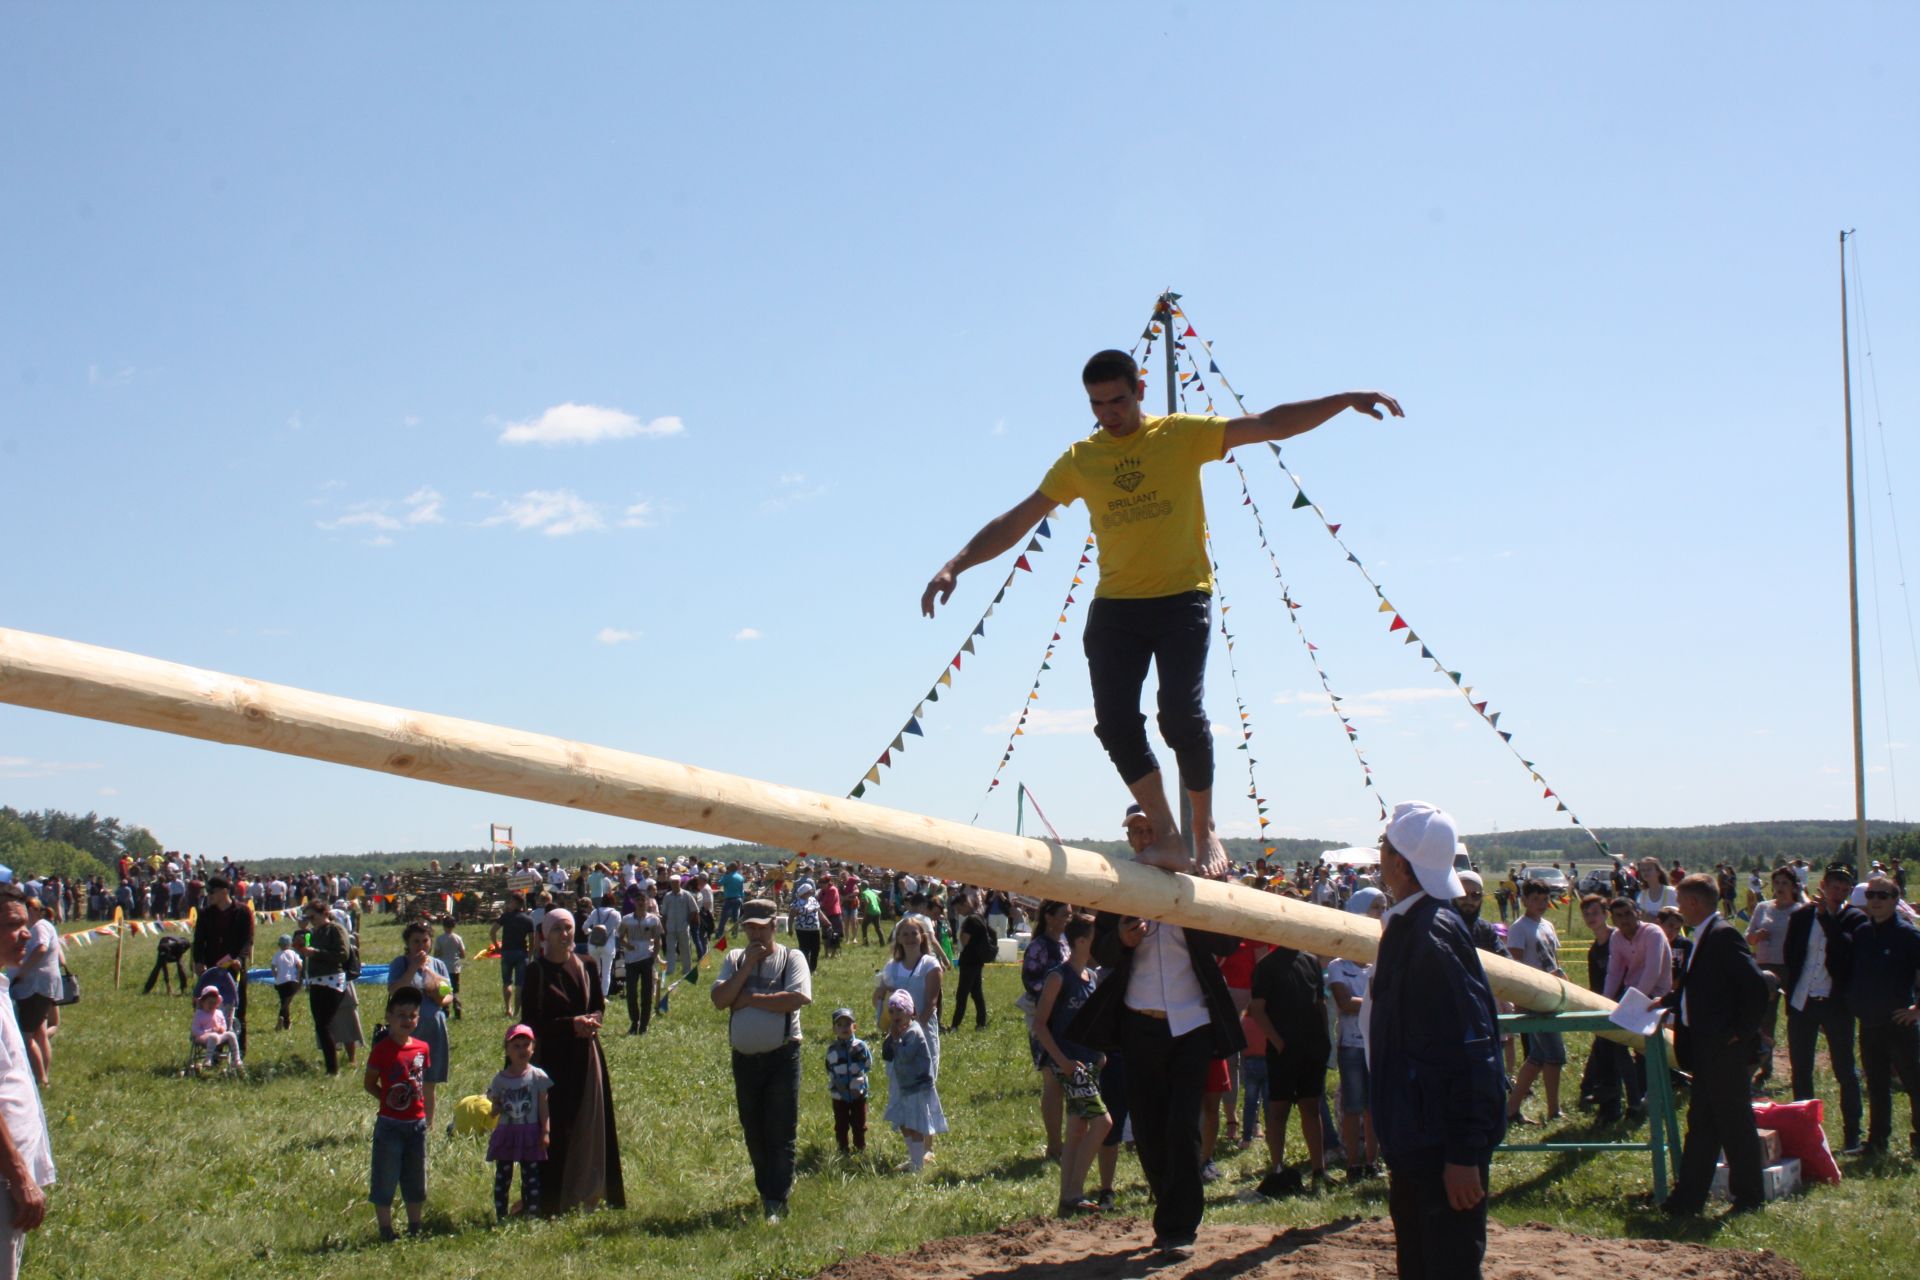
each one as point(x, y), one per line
point(1353, 1249)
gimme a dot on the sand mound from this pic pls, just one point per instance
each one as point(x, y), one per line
point(1353, 1249)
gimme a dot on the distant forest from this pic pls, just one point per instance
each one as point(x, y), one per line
point(52, 842)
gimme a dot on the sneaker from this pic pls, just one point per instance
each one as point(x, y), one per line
point(388, 1235)
point(1104, 1198)
point(775, 1210)
point(1854, 1148)
point(1078, 1208)
point(1210, 1172)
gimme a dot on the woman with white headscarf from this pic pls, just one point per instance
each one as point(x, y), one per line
point(564, 1005)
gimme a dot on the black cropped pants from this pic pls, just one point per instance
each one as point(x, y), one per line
point(1169, 632)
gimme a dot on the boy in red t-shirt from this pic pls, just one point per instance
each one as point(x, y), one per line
point(396, 1077)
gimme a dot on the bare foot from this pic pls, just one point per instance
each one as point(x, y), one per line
point(1168, 852)
point(1212, 856)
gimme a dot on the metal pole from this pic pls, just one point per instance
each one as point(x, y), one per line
point(1173, 406)
point(1853, 586)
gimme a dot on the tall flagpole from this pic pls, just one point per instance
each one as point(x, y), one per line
point(1853, 586)
point(1173, 407)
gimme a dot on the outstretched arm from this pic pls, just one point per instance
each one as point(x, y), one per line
point(997, 536)
point(1283, 422)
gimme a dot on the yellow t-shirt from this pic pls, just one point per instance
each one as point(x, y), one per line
point(1143, 493)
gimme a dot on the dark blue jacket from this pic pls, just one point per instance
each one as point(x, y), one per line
point(1886, 962)
point(1439, 1089)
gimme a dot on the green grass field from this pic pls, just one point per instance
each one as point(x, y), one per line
point(167, 1176)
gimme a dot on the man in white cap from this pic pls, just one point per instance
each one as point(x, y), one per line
point(1430, 1003)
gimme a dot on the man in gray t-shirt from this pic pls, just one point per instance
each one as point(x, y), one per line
point(764, 985)
point(1533, 941)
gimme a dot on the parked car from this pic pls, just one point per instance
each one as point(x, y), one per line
point(1600, 882)
point(1553, 877)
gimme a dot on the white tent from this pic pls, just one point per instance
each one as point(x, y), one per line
point(1366, 857)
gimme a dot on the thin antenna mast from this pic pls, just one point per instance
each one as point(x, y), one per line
point(1853, 585)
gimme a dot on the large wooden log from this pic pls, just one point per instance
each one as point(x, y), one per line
point(108, 684)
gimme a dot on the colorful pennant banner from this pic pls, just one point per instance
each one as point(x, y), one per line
point(1046, 665)
point(1398, 623)
point(911, 729)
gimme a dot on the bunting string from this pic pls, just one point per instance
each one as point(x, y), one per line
point(1046, 665)
point(1245, 721)
point(1312, 651)
point(912, 729)
point(1398, 622)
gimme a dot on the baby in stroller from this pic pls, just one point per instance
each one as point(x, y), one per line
point(212, 1028)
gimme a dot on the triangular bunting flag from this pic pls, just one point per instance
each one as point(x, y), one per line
point(946, 677)
point(873, 775)
point(1384, 608)
point(1399, 623)
point(1033, 544)
point(857, 792)
point(899, 741)
point(913, 727)
point(1044, 531)
point(1334, 529)
point(886, 758)
point(1300, 500)
point(1021, 563)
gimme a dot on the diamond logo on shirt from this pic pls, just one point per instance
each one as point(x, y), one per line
point(1130, 475)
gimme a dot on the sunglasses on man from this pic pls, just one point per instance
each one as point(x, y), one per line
point(1881, 895)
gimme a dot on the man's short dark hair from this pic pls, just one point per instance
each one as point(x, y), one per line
point(400, 997)
point(219, 882)
point(1533, 887)
point(1592, 900)
point(1110, 366)
point(12, 893)
point(1839, 871)
point(1624, 904)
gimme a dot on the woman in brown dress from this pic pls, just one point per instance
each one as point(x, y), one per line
point(564, 1006)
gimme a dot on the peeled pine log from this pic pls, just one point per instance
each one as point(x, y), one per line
point(77, 679)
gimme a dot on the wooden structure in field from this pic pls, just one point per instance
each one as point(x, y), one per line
point(125, 688)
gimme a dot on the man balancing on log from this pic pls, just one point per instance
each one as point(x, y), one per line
point(1140, 477)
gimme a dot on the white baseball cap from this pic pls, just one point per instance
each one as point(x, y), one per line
point(1426, 837)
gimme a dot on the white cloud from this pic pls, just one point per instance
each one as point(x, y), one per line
point(1374, 704)
point(422, 506)
point(379, 540)
point(999, 428)
point(746, 633)
point(554, 512)
point(1046, 720)
point(109, 791)
point(639, 515)
point(293, 421)
point(572, 423)
point(794, 490)
point(614, 635)
point(18, 768)
point(98, 377)
point(411, 420)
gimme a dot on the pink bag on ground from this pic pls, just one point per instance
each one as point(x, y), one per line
point(1801, 1136)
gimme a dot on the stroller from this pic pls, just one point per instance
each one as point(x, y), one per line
point(227, 1055)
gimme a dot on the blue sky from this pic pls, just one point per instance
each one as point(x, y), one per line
point(295, 303)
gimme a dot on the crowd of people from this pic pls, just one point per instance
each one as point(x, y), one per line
point(1148, 1037)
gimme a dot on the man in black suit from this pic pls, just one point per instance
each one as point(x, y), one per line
point(1819, 966)
point(1722, 997)
point(1163, 1004)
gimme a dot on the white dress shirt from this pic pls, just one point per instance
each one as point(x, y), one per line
point(1163, 979)
point(1815, 982)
